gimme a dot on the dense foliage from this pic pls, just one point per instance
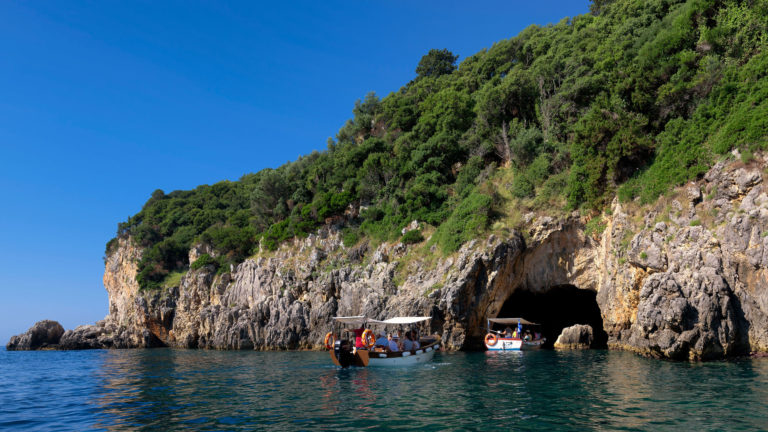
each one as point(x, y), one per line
point(635, 97)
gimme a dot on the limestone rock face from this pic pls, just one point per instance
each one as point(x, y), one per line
point(683, 278)
point(696, 286)
point(287, 301)
point(695, 317)
point(86, 337)
point(126, 314)
point(579, 336)
point(44, 334)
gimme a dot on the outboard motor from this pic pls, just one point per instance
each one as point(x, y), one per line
point(343, 351)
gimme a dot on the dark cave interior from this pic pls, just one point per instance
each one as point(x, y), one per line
point(561, 306)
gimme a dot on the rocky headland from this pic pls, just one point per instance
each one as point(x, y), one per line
point(684, 278)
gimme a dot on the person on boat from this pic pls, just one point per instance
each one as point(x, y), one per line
point(408, 342)
point(527, 335)
point(393, 345)
point(358, 337)
point(382, 341)
point(508, 332)
point(415, 339)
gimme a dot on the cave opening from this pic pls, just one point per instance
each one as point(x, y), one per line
point(559, 307)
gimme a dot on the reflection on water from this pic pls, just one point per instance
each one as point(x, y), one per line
point(168, 389)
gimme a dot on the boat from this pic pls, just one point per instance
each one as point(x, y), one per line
point(518, 340)
point(428, 346)
point(344, 353)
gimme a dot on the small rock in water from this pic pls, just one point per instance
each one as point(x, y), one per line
point(579, 336)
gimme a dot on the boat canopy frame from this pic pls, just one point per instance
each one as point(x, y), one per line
point(362, 319)
point(401, 320)
point(358, 319)
point(508, 321)
point(511, 321)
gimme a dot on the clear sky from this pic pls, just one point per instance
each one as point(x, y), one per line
point(102, 102)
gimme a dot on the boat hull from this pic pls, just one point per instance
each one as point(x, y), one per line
point(359, 358)
point(406, 359)
point(513, 344)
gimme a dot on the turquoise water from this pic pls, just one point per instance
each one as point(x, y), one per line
point(166, 389)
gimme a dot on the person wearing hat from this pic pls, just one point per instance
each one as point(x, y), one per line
point(393, 345)
point(381, 341)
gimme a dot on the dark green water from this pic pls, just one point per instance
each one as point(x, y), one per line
point(202, 390)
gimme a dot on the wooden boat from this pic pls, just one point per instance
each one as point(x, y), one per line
point(345, 353)
point(518, 340)
point(428, 346)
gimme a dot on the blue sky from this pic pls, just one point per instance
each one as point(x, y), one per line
point(103, 102)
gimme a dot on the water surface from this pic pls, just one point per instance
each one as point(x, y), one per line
point(166, 389)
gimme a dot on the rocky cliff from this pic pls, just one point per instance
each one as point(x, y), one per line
point(685, 278)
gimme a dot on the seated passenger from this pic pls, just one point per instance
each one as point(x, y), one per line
point(358, 337)
point(508, 332)
point(381, 341)
point(415, 339)
point(393, 345)
point(407, 342)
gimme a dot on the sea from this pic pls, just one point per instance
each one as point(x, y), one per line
point(170, 389)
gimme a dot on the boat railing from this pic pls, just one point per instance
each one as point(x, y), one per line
point(383, 353)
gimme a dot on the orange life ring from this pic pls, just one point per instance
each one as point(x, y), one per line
point(369, 339)
point(330, 339)
point(491, 339)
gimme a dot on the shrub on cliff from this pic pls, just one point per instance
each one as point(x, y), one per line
point(350, 237)
point(468, 220)
point(203, 261)
point(412, 236)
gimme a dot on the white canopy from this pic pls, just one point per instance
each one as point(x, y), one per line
point(361, 319)
point(402, 320)
point(511, 321)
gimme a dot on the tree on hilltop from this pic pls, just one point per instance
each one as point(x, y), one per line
point(436, 63)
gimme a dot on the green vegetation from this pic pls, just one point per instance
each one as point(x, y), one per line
point(595, 226)
point(172, 280)
point(631, 99)
point(203, 261)
point(465, 222)
point(695, 222)
point(643, 255)
point(412, 236)
point(350, 237)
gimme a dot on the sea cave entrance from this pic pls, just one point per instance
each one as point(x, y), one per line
point(559, 307)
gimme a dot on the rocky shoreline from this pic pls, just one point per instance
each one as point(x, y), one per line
point(685, 278)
